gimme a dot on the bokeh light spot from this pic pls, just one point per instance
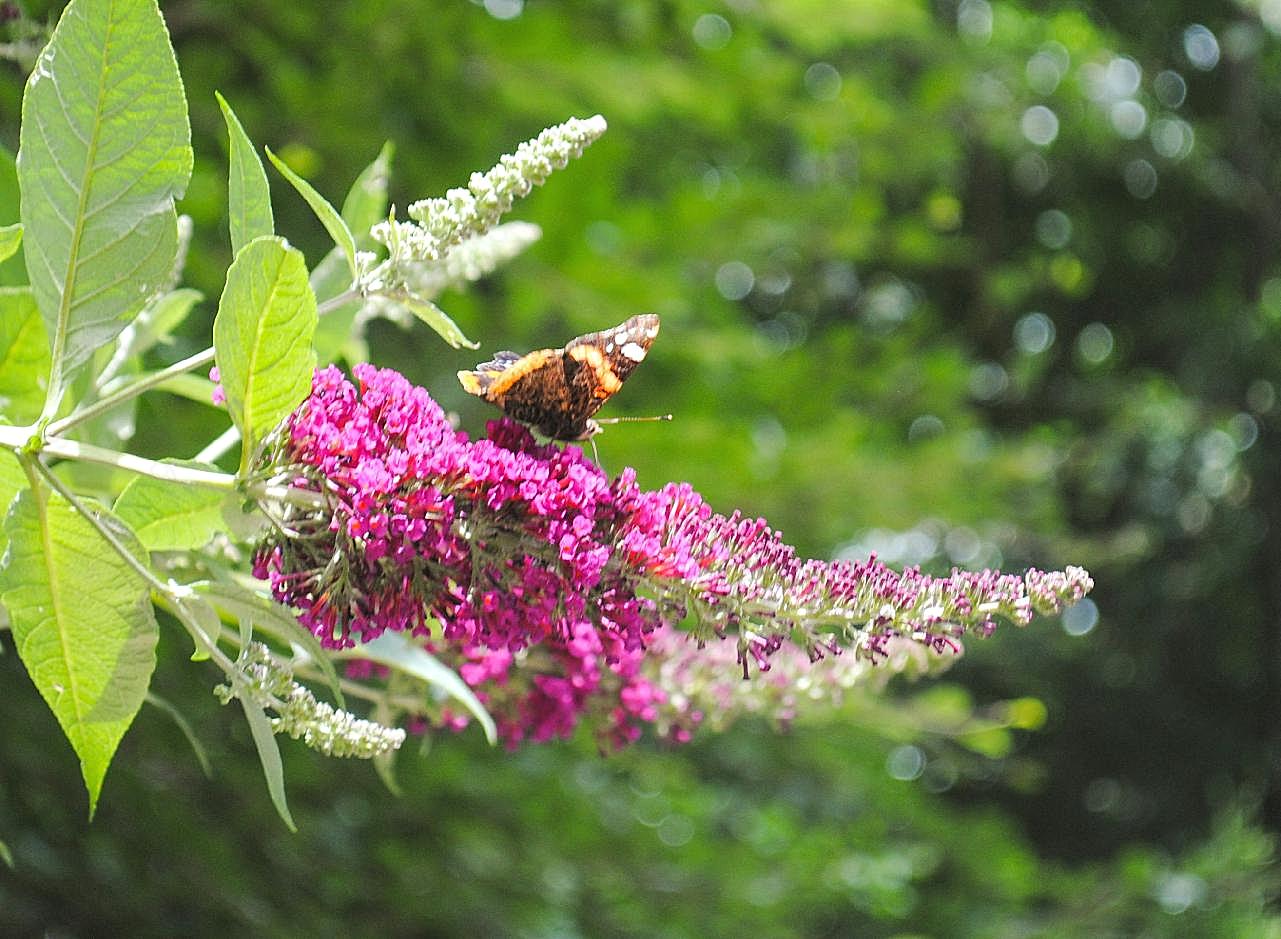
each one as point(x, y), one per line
point(1172, 137)
point(905, 763)
point(823, 81)
point(1034, 333)
point(1129, 118)
point(1053, 229)
point(1201, 47)
point(1080, 618)
point(1171, 90)
point(734, 280)
point(1140, 178)
point(974, 20)
point(1095, 343)
point(1040, 125)
point(712, 31)
point(504, 9)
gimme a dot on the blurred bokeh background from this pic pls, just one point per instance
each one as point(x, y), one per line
point(971, 282)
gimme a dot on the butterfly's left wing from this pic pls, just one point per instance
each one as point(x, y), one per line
point(597, 364)
point(530, 388)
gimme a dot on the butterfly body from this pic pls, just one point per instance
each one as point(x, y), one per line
point(558, 390)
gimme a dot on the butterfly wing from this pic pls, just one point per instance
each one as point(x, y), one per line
point(529, 388)
point(558, 390)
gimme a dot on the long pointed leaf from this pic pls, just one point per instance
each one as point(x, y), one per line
point(170, 516)
point(269, 755)
point(263, 337)
point(366, 202)
point(105, 148)
point(176, 716)
point(248, 195)
point(395, 651)
point(438, 320)
point(83, 625)
point(327, 214)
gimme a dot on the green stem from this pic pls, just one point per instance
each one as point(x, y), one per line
point(219, 445)
point(130, 391)
point(338, 302)
point(16, 438)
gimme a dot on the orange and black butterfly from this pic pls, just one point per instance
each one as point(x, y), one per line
point(558, 390)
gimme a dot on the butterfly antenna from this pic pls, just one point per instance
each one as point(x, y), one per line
point(632, 420)
point(595, 452)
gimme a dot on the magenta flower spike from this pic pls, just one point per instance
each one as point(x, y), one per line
point(561, 595)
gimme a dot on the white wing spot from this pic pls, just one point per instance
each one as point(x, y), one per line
point(633, 351)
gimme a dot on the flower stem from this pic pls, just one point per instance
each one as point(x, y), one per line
point(130, 391)
point(338, 302)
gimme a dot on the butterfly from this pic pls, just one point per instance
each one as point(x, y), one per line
point(558, 390)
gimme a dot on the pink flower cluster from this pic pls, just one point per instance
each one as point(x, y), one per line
point(549, 581)
point(507, 544)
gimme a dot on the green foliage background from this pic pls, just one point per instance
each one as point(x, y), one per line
point(876, 387)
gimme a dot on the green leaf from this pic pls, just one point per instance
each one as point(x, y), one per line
point(438, 320)
point(24, 356)
point(395, 651)
point(12, 481)
point(270, 617)
point(192, 387)
point(170, 516)
point(13, 272)
point(262, 337)
point(205, 624)
point(248, 195)
point(365, 205)
point(328, 216)
point(10, 240)
point(176, 716)
point(82, 623)
point(329, 278)
point(366, 202)
point(157, 322)
point(269, 755)
point(105, 148)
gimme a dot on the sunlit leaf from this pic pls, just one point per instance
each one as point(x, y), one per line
point(104, 151)
point(10, 240)
point(365, 205)
point(395, 651)
point(12, 481)
point(82, 623)
point(327, 214)
point(262, 337)
point(171, 516)
point(248, 195)
point(366, 202)
point(438, 320)
point(24, 356)
point(13, 271)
